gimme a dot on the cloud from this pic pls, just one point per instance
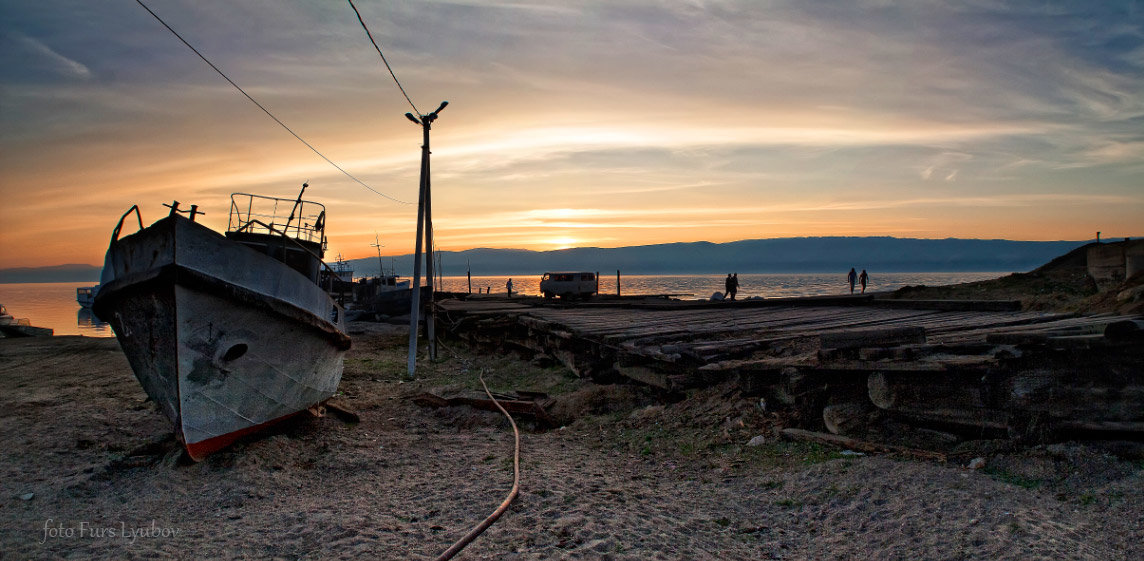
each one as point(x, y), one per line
point(645, 120)
point(48, 59)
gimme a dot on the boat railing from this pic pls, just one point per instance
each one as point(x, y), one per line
point(258, 214)
point(273, 231)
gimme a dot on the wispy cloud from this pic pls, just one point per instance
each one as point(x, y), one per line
point(48, 59)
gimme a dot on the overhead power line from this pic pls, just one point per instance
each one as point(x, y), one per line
point(370, 35)
point(264, 109)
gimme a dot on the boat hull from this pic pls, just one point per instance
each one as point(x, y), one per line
point(227, 341)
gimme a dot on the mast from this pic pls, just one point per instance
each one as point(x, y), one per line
point(380, 268)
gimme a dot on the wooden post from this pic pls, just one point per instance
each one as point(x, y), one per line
point(469, 275)
point(424, 225)
point(617, 282)
point(431, 317)
point(415, 296)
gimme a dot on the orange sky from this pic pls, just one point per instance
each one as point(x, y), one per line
point(591, 124)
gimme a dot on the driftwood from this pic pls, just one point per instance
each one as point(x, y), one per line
point(859, 445)
point(525, 407)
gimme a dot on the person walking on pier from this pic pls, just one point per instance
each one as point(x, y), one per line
point(863, 279)
point(852, 278)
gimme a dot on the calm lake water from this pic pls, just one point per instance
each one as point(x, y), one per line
point(694, 287)
point(53, 304)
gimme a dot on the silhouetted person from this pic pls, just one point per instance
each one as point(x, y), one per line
point(729, 287)
point(508, 286)
point(734, 285)
point(852, 278)
point(863, 279)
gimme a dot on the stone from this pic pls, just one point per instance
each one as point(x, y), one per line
point(757, 441)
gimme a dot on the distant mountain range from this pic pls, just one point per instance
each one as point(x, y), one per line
point(780, 255)
point(58, 273)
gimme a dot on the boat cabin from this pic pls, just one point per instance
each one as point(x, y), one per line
point(291, 231)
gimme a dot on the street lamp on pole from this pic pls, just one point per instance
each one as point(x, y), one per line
point(424, 228)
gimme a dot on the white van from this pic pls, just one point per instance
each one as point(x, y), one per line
point(569, 285)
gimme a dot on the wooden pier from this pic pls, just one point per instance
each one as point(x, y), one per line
point(838, 362)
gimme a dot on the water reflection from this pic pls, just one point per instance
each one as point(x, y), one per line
point(90, 324)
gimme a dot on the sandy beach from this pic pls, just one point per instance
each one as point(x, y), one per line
point(91, 471)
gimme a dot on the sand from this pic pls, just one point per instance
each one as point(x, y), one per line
point(90, 471)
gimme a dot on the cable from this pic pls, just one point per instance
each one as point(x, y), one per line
point(480, 528)
point(370, 35)
point(264, 110)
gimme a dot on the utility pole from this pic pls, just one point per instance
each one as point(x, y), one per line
point(424, 215)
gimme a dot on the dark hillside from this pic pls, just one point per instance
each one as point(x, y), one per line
point(1062, 284)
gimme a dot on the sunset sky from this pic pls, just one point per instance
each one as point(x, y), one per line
point(577, 123)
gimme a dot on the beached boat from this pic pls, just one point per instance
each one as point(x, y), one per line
point(227, 333)
point(85, 295)
point(20, 327)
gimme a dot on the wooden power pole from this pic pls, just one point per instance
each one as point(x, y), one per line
point(424, 227)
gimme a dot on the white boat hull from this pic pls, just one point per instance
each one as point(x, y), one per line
point(224, 339)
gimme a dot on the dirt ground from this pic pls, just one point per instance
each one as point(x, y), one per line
point(90, 471)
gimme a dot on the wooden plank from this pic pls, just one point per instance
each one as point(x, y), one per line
point(885, 337)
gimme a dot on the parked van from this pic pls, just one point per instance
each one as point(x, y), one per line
point(569, 285)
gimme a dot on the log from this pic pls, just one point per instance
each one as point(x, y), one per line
point(1125, 329)
point(848, 419)
point(938, 398)
point(888, 337)
point(1104, 426)
point(524, 407)
point(1076, 399)
point(645, 375)
point(859, 445)
point(913, 391)
point(794, 385)
point(952, 305)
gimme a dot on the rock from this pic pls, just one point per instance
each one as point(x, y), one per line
point(976, 463)
point(27, 496)
point(757, 441)
point(717, 297)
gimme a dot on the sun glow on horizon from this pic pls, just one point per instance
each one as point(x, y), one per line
point(563, 243)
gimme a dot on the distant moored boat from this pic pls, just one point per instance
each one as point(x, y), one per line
point(85, 295)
